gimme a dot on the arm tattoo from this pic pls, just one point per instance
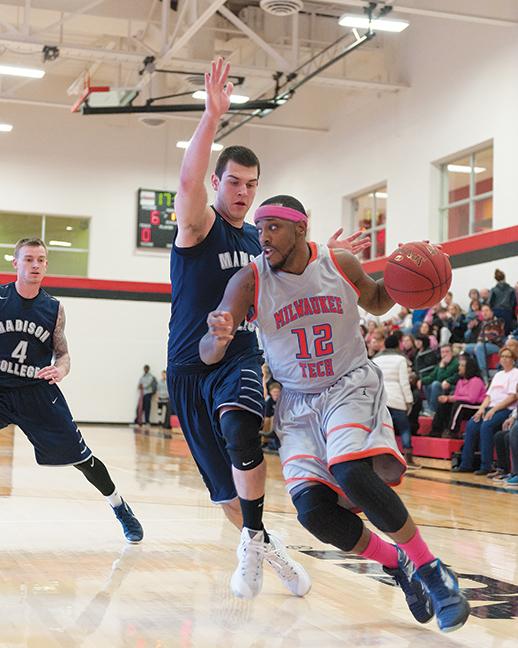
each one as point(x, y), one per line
point(62, 358)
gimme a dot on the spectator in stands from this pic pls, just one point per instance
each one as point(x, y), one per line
point(417, 317)
point(454, 408)
point(268, 379)
point(440, 325)
point(426, 329)
point(376, 343)
point(388, 327)
point(502, 300)
point(448, 299)
point(484, 296)
point(425, 359)
point(408, 348)
point(512, 480)
point(474, 294)
point(147, 386)
point(473, 322)
point(394, 368)
point(490, 339)
point(371, 329)
point(417, 404)
point(512, 343)
point(403, 320)
point(505, 463)
point(440, 379)
point(164, 409)
point(272, 442)
point(456, 323)
point(495, 408)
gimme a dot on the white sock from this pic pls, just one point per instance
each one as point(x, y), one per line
point(114, 499)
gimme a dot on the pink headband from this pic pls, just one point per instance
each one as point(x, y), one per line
point(278, 211)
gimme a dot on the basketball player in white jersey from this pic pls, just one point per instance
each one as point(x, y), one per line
point(338, 449)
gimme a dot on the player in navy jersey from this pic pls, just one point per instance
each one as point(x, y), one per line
point(32, 334)
point(221, 408)
point(338, 450)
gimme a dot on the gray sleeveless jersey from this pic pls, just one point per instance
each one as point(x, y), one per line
point(309, 323)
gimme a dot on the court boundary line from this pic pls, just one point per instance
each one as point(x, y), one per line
point(457, 482)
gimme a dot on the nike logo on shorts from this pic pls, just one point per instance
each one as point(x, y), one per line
point(54, 400)
point(247, 463)
point(4, 297)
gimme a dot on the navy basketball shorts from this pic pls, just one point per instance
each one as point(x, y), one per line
point(197, 397)
point(42, 413)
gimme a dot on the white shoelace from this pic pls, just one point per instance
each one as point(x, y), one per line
point(280, 563)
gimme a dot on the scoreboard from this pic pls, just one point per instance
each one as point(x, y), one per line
point(156, 219)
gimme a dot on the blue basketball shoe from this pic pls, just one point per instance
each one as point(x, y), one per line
point(132, 528)
point(417, 598)
point(450, 605)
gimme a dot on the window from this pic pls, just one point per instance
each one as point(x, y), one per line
point(369, 212)
point(65, 236)
point(467, 194)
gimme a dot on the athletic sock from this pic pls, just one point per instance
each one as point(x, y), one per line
point(114, 499)
point(252, 511)
point(383, 552)
point(417, 550)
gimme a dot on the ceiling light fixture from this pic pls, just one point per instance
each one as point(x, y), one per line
point(183, 144)
point(60, 243)
point(6, 128)
point(14, 70)
point(379, 24)
point(235, 99)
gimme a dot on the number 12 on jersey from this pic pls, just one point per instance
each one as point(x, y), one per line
point(322, 341)
point(322, 346)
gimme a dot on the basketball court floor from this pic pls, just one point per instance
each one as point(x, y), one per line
point(67, 578)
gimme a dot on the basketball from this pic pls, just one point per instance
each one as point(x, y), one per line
point(417, 275)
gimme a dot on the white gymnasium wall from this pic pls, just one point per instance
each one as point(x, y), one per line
point(110, 341)
point(462, 92)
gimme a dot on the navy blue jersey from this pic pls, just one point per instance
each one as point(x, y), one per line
point(26, 335)
point(199, 276)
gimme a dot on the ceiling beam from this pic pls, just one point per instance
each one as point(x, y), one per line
point(232, 18)
point(10, 29)
point(191, 31)
point(428, 13)
point(71, 50)
point(180, 15)
point(107, 55)
point(164, 26)
point(27, 17)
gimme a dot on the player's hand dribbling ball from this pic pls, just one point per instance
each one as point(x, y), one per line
point(417, 275)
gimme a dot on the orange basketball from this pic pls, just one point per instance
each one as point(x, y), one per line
point(417, 275)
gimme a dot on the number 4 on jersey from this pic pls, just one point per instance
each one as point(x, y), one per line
point(20, 353)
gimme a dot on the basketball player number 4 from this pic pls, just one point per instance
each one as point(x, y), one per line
point(20, 353)
point(322, 341)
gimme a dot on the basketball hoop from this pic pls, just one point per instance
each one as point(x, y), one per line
point(87, 91)
point(102, 96)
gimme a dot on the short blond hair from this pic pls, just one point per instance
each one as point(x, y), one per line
point(511, 351)
point(30, 242)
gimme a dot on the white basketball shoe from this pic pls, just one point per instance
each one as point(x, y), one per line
point(291, 573)
point(247, 579)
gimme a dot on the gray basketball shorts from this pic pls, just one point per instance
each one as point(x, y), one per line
point(344, 422)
